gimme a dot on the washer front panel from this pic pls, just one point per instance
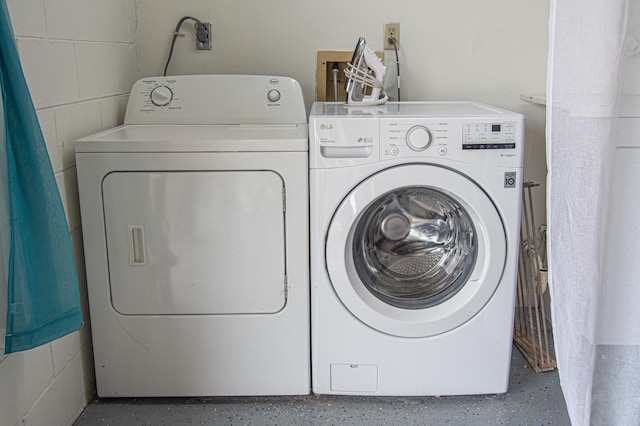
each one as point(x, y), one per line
point(442, 313)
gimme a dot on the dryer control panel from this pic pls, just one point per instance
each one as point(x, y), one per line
point(216, 99)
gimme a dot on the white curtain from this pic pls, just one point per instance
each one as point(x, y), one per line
point(593, 157)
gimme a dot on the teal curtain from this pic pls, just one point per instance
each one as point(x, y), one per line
point(42, 286)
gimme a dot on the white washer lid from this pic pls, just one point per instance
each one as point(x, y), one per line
point(198, 138)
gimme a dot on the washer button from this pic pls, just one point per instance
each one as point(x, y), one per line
point(273, 95)
point(442, 150)
point(394, 150)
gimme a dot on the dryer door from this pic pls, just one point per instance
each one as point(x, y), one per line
point(416, 250)
point(195, 242)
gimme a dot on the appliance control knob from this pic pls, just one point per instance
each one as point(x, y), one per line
point(161, 96)
point(273, 95)
point(418, 138)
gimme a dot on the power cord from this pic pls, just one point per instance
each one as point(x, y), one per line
point(202, 35)
point(335, 71)
point(392, 41)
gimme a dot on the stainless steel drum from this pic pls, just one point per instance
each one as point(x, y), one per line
point(414, 247)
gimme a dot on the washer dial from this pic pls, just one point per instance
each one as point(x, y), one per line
point(161, 96)
point(418, 138)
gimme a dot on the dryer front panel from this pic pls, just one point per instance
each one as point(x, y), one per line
point(178, 243)
point(416, 250)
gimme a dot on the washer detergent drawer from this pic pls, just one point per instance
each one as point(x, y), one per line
point(205, 242)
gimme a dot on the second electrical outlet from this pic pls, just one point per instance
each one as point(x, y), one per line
point(391, 29)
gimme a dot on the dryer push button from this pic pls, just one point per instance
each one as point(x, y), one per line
point(273, 95)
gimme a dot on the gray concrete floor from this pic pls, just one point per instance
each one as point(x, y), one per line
point(532, 399)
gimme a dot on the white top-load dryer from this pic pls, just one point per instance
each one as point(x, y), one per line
point(195, 224)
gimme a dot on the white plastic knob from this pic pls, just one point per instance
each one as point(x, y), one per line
point(418, 138)
point(161, 96)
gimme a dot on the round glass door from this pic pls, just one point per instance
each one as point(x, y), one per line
point(415, 250)
point(414, 247)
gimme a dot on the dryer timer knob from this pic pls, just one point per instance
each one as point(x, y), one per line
point(418, 138)
point(161, 96)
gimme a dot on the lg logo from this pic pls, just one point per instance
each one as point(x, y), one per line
point(326, 126)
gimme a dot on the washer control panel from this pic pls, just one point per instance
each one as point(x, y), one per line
point(400, 132)
point(500, 135)
point(410, 138)
point(482, 139)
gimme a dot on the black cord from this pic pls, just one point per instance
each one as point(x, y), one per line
point(175, 36)
point(392, 40)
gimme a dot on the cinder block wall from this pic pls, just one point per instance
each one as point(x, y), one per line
point(80, 60)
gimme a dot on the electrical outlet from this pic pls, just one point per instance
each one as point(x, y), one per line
point(391, 29)
point(203, 36)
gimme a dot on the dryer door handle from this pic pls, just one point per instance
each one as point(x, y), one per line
point(136, 245)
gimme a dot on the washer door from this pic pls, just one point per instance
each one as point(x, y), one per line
point(416, 250)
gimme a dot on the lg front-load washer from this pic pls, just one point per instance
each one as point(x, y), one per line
point(415, 212)
point(195, 224)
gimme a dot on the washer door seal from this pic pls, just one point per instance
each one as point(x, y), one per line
point(416, 250)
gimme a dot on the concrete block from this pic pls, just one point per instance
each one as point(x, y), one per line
point(68, 186)
point(65, 399)
point(64, 350)
point(47, 121)
point(97, 75)
point(132, 16)
point(113, 110)
point(70, 19)
point(50, 71)
point(111, 20)
point(127, 63)
point(27, 18)
point(78, 252)
point(73, 122)
point(24, 377)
